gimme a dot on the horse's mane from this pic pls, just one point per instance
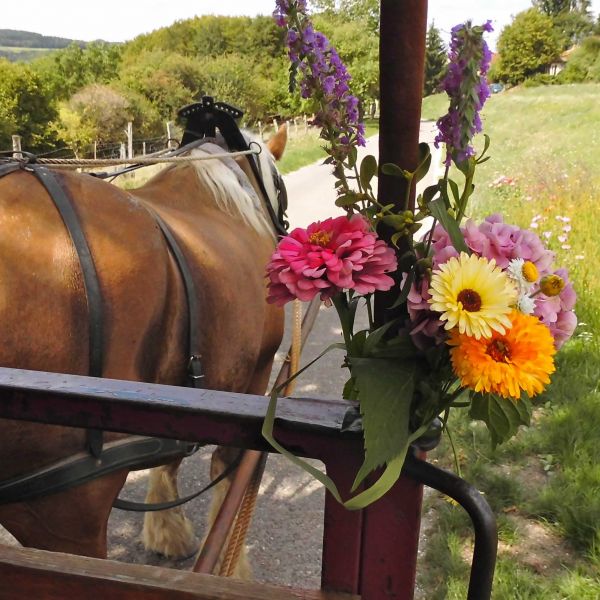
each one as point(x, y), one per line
point(233, 198)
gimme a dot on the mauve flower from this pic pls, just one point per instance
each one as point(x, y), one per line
point(324, 77)
point(328, 257)
point(557, 312)
point(466, 85)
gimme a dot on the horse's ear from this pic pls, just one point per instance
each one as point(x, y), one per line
point(277, 143)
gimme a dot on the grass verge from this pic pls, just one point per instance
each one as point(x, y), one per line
point(545, 484)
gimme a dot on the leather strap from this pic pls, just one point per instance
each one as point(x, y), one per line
point(9, 167)
point(195, 369)
point(130, 453)
point(64, 204)
point(129, 505)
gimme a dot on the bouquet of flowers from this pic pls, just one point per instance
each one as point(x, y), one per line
point(480, 309)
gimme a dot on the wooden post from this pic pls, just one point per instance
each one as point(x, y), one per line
point(129, 139)
point(276, 125)
point(260, 131)
point(144, 148)
point(16, 144)
point(122, 151)
point(169, 134)
point(389, 562)
point(95, 149)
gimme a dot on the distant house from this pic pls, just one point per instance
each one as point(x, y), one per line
point(561, 62)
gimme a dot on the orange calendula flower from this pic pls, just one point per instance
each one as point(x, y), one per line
point(521, 359)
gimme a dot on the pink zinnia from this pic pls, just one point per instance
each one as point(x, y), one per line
point(328, 257)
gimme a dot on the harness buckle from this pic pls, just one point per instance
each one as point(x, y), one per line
point(195, 368)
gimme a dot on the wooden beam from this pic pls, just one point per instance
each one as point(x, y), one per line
point(29, 573)
point(165, 411)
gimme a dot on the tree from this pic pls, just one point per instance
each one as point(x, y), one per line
point(26, 108)
point(95, 113)
point(584, 63)
point(366, 11)
point(573, 27)
point(71, 69)
point(167, 80)
point(435, 60)
point(552, 8)
point(572, 19)
point(527, 46)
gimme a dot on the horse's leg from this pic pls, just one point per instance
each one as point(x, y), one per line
point(45, 523)
point(168, 532)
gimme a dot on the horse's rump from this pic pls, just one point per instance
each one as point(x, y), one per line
point(44, 317)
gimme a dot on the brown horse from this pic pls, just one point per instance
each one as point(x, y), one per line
point(44, 324)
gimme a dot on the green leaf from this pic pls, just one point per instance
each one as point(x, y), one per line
point(430, 192)
point(368, 170)
point(438, 210)
point(395, 171)
point(405, 290)
point(385, 390)
point(424, 162)
point(397, 222)
point(455, 193)
point(350, 392)
point(486, 145)
point(503, 416)
point(348, 199)
point(375, 338)
point(358, 343)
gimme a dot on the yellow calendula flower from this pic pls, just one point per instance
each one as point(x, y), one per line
point(522, 359)
point(473, 294)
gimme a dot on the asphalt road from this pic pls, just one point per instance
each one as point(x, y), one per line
point(284, 542)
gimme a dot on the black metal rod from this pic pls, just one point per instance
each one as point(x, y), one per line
point(482, 517)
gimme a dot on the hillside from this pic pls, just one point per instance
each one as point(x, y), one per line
point(28, 39)
point(24, 46)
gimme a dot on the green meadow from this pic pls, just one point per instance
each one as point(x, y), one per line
point(544, 485)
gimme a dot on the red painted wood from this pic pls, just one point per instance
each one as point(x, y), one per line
point(342, 535)
point(391, 525)
point(165, 411)
point(390, 543)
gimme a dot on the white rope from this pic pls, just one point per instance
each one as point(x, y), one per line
point(70, 163)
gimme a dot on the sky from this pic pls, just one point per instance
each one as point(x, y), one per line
point(121, 20)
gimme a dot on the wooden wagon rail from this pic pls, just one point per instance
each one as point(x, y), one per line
point(27, 573)
point(362, 550)
point(168, 411)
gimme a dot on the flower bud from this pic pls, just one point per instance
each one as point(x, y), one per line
point(552, 285)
